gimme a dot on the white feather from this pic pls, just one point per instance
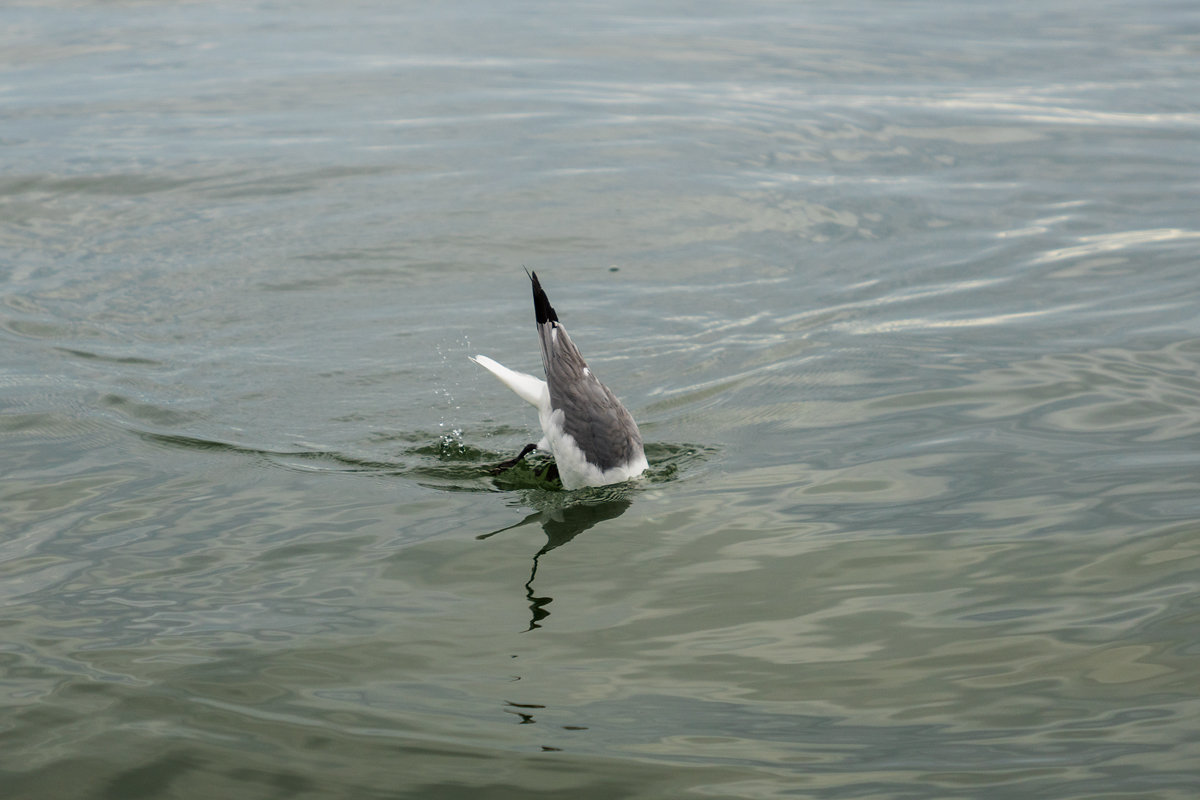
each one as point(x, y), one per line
point(528, 388)
point(573, 467)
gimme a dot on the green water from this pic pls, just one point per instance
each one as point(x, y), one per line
point(903, 297)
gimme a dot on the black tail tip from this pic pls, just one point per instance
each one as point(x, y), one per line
point(543, 312)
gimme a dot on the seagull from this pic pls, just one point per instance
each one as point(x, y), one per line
point(592, 437)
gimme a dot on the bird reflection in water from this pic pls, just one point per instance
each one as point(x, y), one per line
point(561, 524)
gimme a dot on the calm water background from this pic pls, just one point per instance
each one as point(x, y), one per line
point(905, 296)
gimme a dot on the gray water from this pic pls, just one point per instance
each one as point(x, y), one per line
point(905, 299)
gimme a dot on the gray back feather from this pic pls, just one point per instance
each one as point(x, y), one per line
point(593, 415)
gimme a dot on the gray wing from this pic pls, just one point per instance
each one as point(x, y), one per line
point(592, 414)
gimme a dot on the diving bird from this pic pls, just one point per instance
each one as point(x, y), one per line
point(592, 437)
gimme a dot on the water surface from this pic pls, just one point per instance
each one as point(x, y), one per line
point(902, 295)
